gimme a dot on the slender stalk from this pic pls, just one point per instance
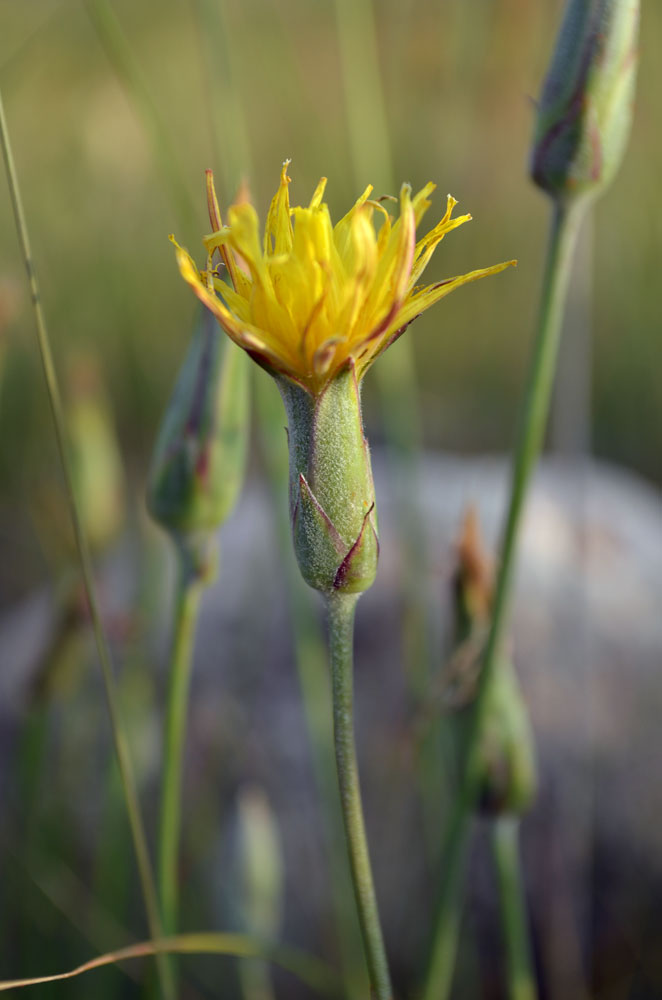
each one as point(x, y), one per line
point(119, 736)
point(446, 924)
point(189, 591)
point(563, 235)
point(312, 670)
point(221, 54)
point(341, 608)
point(129, 72)
point(307, 968)
point(505, 840)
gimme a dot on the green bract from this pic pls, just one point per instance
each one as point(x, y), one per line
point(585, 110)
point(198, 464)
point(332, 497)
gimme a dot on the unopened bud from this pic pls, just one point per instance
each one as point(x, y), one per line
point(332, 497)
point(585, 110)
point(198, 463)
point(507, 755)
point(507, 752)
point(473, 580)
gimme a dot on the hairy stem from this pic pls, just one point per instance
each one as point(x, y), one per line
point(341, 608)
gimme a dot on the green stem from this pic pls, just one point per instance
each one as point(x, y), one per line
point(119, 736)
point(129, 72)
point(341, 608)
point(312, 669)
point(563, 234)
point(505, 839)
point(446, 923)
point(186, 615)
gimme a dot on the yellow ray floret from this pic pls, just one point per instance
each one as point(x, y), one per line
point(309, 297)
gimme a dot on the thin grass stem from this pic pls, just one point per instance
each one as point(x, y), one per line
point(189, 591)
point(224, 98)
point(118, 731)
point(310, 970)
point(448, 914)
point(341, 609)
point(505, 842)
point(563, 234)
point(128, 71)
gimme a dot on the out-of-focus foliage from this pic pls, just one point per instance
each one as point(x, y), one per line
point(458, 78)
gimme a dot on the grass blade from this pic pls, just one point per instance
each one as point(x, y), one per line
point(119, 737)
point(310, 970)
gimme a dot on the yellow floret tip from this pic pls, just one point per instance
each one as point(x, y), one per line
point(309, 298)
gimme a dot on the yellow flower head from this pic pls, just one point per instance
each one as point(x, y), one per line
point(313, 298)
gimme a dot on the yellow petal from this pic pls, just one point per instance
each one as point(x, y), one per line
point(421, 201)
point(279, 226)
point(308, 298)
point(392, 275)
point(243, 237)
point(189, 272)
point(426, 246)
point(342, 230)
point(427, 297)
point(318, 194)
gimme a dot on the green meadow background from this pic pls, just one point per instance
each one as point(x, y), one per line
point(240, 86)
point(115, 109)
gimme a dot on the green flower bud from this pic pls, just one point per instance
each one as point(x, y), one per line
point(198, 464)
point(332, 497)
point(586, 105)
point(507, 755)
point(507, 751)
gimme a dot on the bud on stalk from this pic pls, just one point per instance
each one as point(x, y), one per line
point(332, 497)
point(507, 754)
point(199, 459)
point(585, 110)
point(508, 757)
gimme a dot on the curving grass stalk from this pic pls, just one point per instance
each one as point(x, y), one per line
point(119, 737)
point(310, 970)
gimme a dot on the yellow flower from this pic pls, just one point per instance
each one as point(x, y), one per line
point(312, 297)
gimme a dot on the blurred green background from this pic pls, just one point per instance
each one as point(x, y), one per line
point(239, 86)
point(114, 118)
